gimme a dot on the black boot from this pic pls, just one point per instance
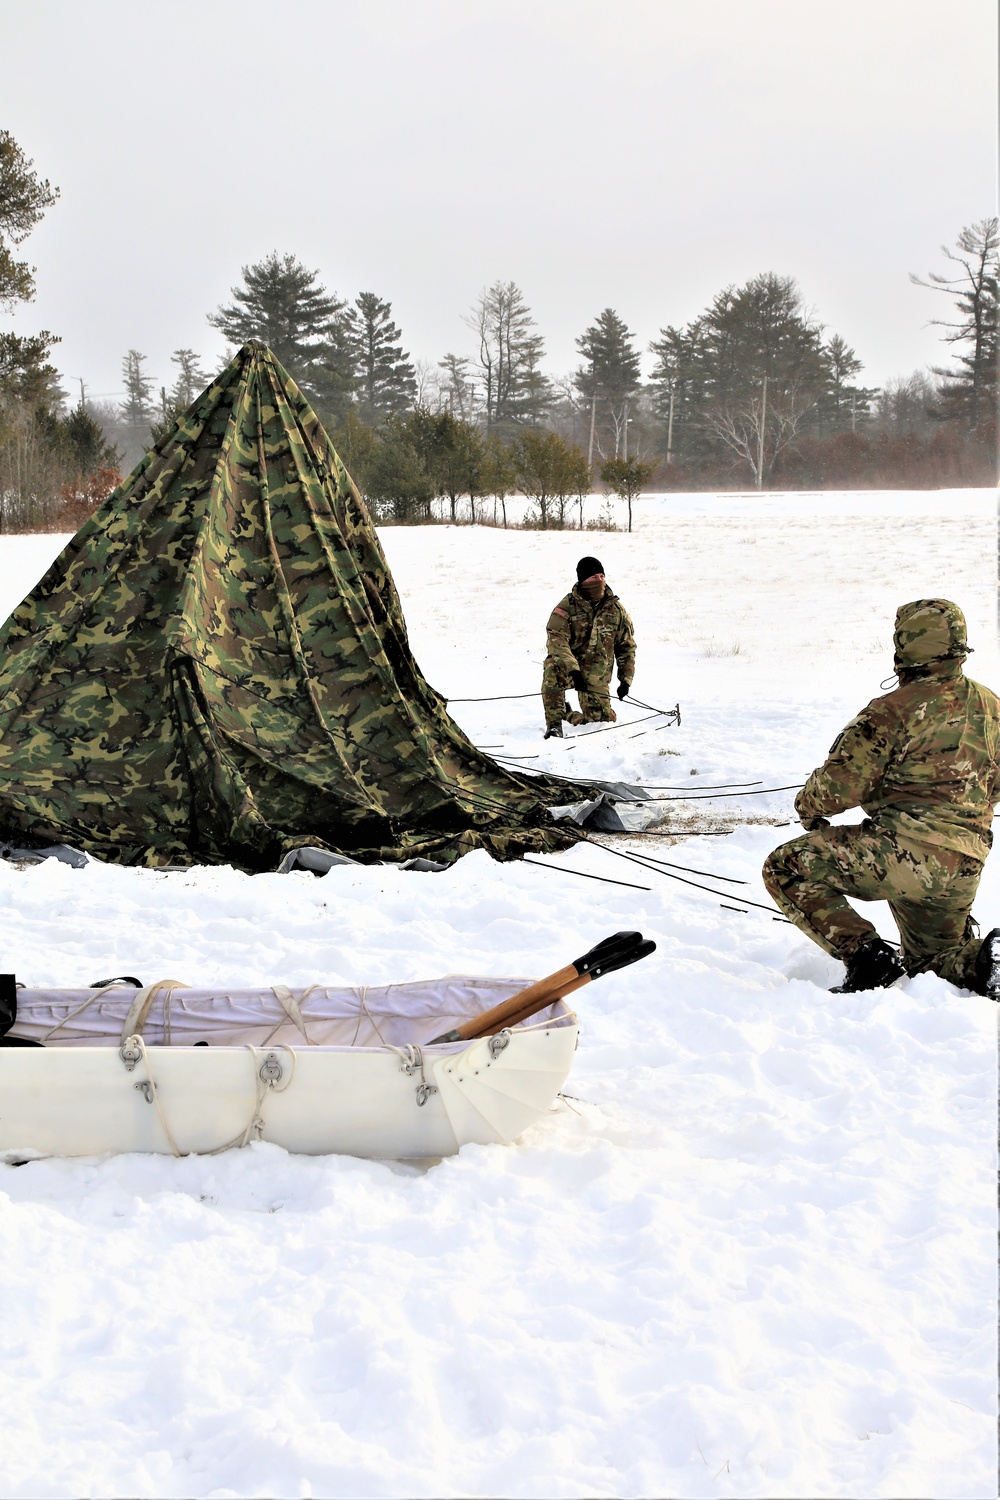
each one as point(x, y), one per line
point(873, 967)
point(988, 966)
point(554, 732)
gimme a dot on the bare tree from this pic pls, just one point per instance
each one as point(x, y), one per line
point(427, 384)
point(758, 430)
point(906, 403)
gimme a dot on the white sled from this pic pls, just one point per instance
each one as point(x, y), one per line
point(314, 1070)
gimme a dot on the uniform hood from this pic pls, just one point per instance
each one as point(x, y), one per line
point(929, 630)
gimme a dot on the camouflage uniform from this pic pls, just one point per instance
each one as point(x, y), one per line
point(924, 764)
point(587, 638)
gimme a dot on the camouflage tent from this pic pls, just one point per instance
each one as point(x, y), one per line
point(216, 668)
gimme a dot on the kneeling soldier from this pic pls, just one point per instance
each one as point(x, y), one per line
point(924, 764)
point(587, 633)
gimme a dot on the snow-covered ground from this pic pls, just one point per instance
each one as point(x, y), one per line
point(752, 1255)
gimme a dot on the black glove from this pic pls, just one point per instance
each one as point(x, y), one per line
point(811, 824)
point(623, 690)
point(578, 680)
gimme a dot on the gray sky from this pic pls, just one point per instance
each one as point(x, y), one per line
point(634, 153)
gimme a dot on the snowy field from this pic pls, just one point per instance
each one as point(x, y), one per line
point(752, 1255)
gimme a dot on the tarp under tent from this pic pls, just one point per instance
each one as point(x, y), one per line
point(216, 669)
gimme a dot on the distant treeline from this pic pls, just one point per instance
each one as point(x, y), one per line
point(753, 392)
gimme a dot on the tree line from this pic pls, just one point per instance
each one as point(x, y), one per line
point(754, 391)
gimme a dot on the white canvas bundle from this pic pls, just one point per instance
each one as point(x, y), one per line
point(390, 1015)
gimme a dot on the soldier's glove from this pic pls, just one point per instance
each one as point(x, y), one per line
point(811, 824)
point(623, 690)
point(578, 680)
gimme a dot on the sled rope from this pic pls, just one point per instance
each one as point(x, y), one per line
point(72, 1013)
point(135, 1040)
point(139, 1010)
point(255, 1127)
point(292, 1010)
point(363, 1010)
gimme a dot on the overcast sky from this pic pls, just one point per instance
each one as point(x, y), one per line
point(639, 154)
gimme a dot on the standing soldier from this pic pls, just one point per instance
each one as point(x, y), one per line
point(924, 764)
point(587, 632)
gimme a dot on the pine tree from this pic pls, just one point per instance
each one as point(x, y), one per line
point(282, 305)
point(137, 407)
point(515, 392)
point(842, 404)
point(970, 392)
point(457, 389)
point(23, 201)
point(751, 374)
point(136, 411)
point(612, 369)
point(190, 380)
point(609, 381)
point(87, 447)
point(385, 379)
point(26, 375)
point(677, 387)
point(396, 479)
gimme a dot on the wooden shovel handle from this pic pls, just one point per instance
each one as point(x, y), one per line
point(487, 1027)
point(535, 997)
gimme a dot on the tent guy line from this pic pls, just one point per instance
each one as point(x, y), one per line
point(639, 860)
point(561, 870)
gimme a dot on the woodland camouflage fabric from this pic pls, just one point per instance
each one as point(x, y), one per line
point(589, 638)
point(216, 668)
point(930, 892)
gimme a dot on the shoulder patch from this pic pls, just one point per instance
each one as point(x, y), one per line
point(558, 611)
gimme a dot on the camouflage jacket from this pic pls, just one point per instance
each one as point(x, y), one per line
point(588, 637)
point(923, 762)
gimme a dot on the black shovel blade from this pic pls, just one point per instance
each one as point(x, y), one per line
point(617, 943)
point(622, 959)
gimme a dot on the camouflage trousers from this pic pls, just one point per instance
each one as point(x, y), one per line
point(595, 701)
point(930, 892)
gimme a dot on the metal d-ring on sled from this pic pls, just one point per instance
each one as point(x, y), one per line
point(404, 1071)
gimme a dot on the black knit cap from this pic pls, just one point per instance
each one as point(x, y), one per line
point(587, 567)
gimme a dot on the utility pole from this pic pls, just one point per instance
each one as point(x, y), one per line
point(670, 431)
point(760, 445)
point(593, 419)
